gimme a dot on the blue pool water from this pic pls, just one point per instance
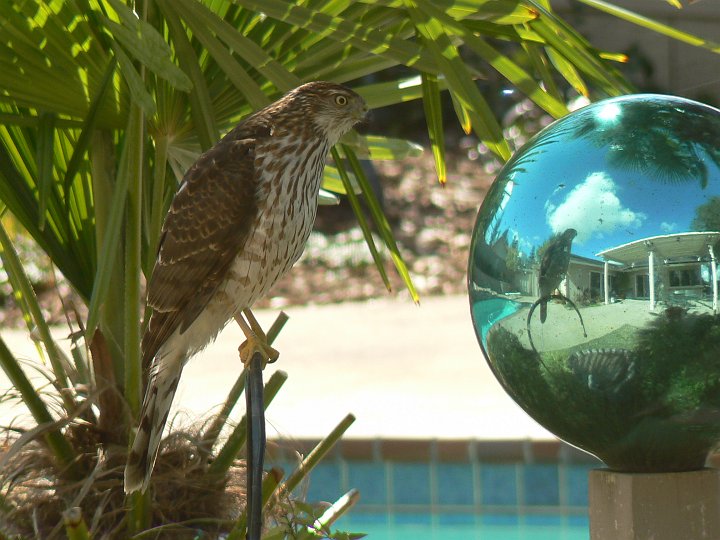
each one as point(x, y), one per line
point(465, 527)
point(489, 311)
point(463, 489)
point(533, 492)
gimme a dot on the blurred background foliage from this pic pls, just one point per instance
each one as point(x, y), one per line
point(105, 103)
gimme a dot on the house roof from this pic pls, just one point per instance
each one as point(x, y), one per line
point(667, 246)
point(579, 259)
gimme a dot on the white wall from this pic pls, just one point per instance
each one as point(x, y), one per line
point(679, 68)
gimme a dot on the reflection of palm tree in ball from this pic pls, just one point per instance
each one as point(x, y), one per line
point(672, 144)
point(553, 267)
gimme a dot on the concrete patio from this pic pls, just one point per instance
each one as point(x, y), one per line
point(404, 371)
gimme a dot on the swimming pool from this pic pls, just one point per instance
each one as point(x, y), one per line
point(404, 526)
point(487, 312)
point(455, 489)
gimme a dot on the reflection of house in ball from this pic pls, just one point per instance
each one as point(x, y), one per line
point(672, 263)
point(674, 269)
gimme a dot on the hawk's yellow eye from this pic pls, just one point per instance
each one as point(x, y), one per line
point(341, 100)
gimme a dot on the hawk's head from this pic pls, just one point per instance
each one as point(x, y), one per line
point(333, 108)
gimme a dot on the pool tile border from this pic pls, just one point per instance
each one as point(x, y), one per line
point(451, 450)
point(406, 475)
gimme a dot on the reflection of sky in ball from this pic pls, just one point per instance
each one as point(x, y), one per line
point(569, 184)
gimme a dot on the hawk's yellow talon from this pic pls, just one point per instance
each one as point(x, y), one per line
point(252, 345)
point(255, 340)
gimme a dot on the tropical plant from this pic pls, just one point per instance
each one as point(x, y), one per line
point(105, 103)
point(707, 215)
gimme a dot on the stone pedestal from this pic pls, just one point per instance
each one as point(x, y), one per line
point(662, 506)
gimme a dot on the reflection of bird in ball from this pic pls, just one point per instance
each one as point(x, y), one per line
point(553, 266)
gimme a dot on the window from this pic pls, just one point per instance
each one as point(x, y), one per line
point(686, 277)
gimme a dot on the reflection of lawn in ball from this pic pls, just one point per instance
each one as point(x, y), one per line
point(563, 329)
point(648, 400)
point(620, 338)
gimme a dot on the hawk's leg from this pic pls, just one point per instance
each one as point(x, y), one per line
point(255, 339)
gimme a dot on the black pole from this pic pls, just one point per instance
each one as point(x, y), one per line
point(256, 445)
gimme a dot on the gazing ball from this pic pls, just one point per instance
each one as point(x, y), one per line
point(593, 281)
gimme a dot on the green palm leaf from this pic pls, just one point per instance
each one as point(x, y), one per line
point(433, 114)
point(655, 26)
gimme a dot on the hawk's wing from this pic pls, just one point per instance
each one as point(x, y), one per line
point(555, 261)
point(207, 225)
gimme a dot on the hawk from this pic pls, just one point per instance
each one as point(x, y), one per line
point(236, 225)
point(553, 267)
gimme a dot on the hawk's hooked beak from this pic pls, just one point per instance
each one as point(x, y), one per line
point(362, 115)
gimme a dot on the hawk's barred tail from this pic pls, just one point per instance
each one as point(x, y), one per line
point(155, 410)
point(543, 311)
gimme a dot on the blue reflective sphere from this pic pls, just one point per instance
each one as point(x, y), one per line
point(593, 280)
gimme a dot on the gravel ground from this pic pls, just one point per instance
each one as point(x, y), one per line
point(432, 225)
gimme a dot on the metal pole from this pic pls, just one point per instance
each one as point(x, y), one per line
point(651, 271)
point(713, 267)
point(256, 445)
point(606, 281)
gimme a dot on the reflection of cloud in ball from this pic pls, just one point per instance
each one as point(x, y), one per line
point(668, 227)
point(592, 208)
